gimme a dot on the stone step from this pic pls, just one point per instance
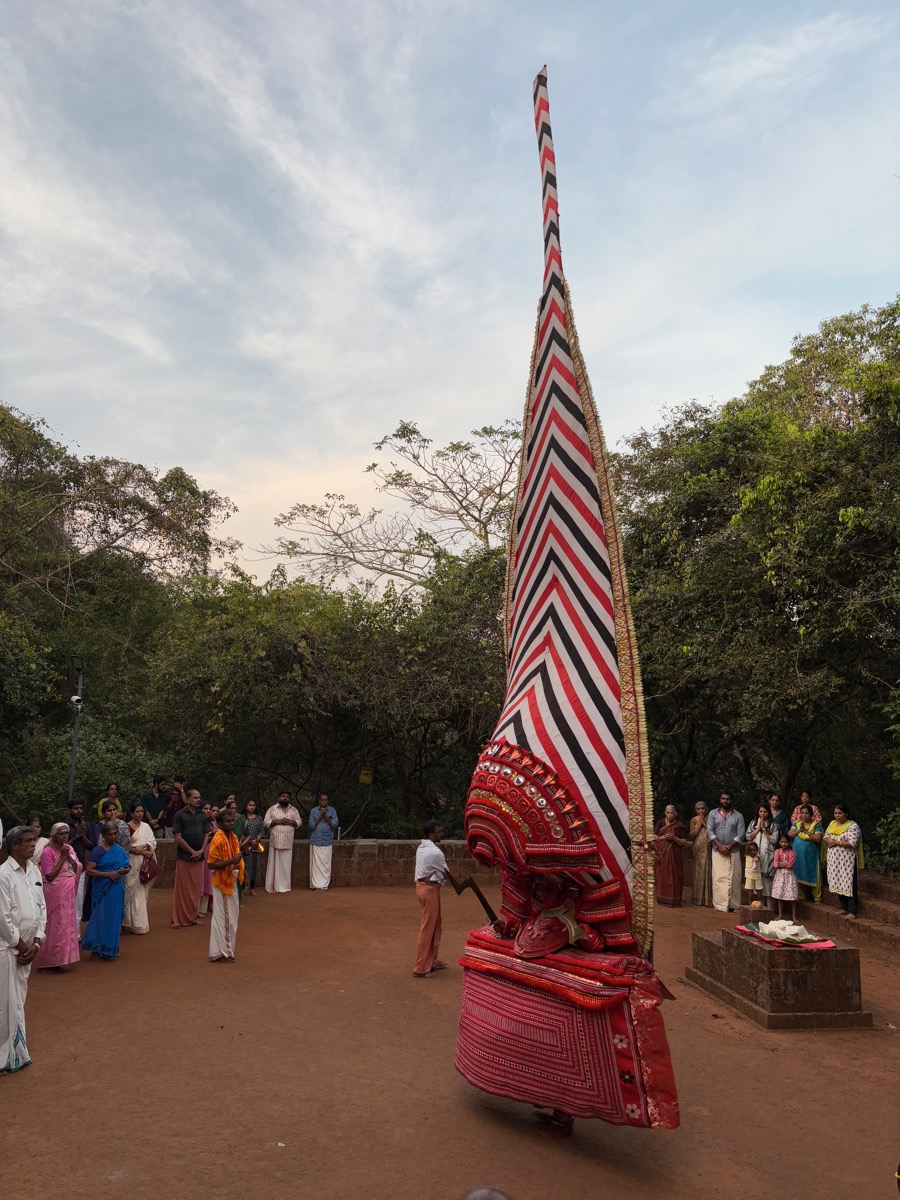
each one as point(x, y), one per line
point(881, 886)
point(824, 918)
point(872, 907)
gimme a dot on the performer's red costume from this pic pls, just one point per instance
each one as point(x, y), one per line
point(560, 1004)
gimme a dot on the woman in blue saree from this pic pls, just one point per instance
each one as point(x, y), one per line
point(107, 867)
point(123, 837)
point(806, 842)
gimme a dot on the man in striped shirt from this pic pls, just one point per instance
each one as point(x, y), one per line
point(282, 822)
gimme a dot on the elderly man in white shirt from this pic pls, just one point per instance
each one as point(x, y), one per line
point(431, 871)
point(23, 921)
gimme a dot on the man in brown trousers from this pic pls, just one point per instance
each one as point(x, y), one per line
point(431, 871)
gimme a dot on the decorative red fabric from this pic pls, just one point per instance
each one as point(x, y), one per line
point(574, 1032)
point(560, 1011)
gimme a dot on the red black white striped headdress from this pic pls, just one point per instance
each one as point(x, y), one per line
point(564, 783)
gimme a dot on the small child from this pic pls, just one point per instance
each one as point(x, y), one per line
point(785, 884)
point(752, 872)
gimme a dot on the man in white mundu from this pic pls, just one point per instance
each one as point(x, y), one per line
point(726, 830)
point(323, 821)
point(282, 822)
point(23, 920)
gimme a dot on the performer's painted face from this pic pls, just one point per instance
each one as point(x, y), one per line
point(548, 891)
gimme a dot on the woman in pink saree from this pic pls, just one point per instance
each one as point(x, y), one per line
point(61, 871)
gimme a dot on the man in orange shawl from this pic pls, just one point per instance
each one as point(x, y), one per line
point(226, 863)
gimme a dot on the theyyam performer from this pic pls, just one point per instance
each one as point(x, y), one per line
point(560, 1004)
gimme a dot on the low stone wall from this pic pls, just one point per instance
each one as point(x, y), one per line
point(359, 862)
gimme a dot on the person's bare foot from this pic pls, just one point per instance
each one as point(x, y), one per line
point(561, 1123)
point(439, 965)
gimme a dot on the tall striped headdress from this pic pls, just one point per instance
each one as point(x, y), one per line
point(564, 784)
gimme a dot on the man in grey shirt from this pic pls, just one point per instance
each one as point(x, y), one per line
point(726, 829)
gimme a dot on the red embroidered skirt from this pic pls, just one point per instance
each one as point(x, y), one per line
point(577, 1032)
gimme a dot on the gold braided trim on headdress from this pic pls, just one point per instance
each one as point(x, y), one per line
point(514, 522)
point(634, 724)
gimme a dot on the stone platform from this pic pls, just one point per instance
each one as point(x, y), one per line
point(780, 987)
point(746, 914)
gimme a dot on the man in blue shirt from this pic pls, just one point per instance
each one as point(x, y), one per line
point(323, 823)
point(726, 829)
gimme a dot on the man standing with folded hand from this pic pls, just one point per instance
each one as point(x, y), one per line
point(726, 830)
point(23, 920)
point(323, 821)
point(431, 871)
point(282, 822)
point(189, 829)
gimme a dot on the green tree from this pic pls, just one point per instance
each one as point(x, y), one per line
point(93, 552)
point(59, 511)
point(763, 545)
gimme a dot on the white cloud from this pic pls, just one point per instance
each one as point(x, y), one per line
point(250, 237)
point(341, 188)
point(762, 69)
point(70, 251)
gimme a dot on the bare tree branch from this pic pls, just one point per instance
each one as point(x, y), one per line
point(456, 498)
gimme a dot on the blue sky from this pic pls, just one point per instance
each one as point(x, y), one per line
point(249, 236)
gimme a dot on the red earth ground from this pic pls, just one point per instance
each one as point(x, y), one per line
point(317, 1068)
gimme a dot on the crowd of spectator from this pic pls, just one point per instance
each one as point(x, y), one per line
point(78, 889)
point(792, 857)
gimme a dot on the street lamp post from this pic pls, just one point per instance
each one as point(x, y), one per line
point(75, 701)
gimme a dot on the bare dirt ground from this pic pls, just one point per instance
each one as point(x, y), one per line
point(161, 1075)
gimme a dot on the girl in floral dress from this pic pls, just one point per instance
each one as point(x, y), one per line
point(784, 887)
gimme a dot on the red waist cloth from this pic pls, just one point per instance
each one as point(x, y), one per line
point(578, 1032)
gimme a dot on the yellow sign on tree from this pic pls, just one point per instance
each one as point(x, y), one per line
point(365, 775)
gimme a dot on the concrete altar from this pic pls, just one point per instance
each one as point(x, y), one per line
point(780, 987)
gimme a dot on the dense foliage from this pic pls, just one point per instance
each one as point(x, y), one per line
point(763, 544)
point(762, 541)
